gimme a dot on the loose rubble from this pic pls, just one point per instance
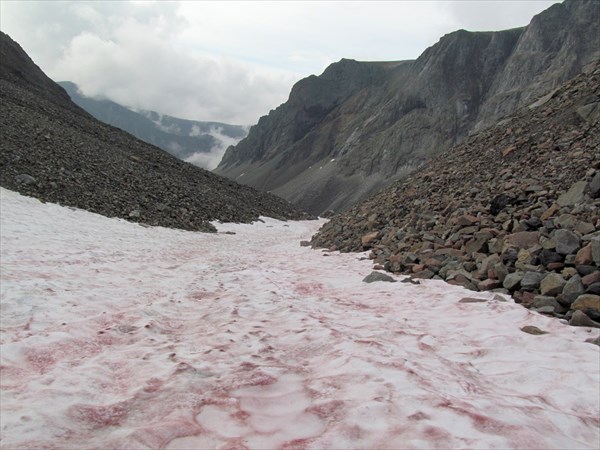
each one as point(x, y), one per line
point(514, 210)
point(53, 150)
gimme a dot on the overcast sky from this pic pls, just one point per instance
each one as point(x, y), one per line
point(231, 61)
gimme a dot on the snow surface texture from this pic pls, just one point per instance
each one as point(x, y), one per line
point(119, 336)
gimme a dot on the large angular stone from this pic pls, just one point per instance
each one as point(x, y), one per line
point(579, 319)
point(591, 278)
point(378, 276)
point(550, 212)
point(584, 228)
point(501, 271)
point(540, 301)
point(586, 301)
point(573, 288)
point(512, 281)
point(368, 238)
point(548, 256)
point(584, 255)
point(567, 221)
point(593, 288)
point(552, 284)
point(574, 195)
point(466, 220)
point(531, 281)
point(584, 271)
point(594, 186)
point(488, 263)
point(567, 242)
point(532, 329)
point(523, 239)
point(478, 243)
point(489, 284)
point(509, 256)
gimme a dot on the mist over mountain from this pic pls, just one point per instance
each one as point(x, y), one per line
point(200, 143)
point(53, 150)
point(359, 126)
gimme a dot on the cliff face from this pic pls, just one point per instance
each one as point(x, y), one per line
point(513, 209)
point(359, 126)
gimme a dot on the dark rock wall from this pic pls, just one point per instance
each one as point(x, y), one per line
point(359, 126)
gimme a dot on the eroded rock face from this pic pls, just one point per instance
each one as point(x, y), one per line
point(360, 126)
point(53, 150)
point(445, 221)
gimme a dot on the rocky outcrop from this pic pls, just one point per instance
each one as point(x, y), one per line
point(53, 150)
point(513, 209)
point(362, 125)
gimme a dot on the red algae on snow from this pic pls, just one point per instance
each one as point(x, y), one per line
point(120, 336)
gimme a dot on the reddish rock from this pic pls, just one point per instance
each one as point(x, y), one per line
point(433, 263)
point(527, 297)
point(489, 284)
point(550, 212)
point(466, 220)
point(418, 268)
point(369, 237)
point(584, 256)
point(523, 239)
point(555, 266)
point(592, 278)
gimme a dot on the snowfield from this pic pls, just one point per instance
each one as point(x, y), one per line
point(119, 336)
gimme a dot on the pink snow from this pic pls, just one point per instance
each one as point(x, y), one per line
point(120, 336)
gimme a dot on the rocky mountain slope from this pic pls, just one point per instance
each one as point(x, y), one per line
point(359, 126)
point(514, 209)
point(189, 140)
point(53, 150)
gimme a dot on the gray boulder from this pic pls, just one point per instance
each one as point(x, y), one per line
point(512, 281)
point(378, 276)
point(567, 242)
point(552, 284)
point(573, 288)
point(574, 195)
point(531, 281)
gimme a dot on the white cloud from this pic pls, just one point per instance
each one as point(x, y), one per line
point(212, 159)
point(230, 61)
point(138, 69)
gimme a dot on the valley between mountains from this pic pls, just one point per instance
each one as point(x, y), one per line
point(120, 336)
point(450, 299)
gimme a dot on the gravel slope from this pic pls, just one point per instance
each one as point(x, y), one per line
point(53, 150)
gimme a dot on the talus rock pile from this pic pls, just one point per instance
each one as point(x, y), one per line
point(514, 209)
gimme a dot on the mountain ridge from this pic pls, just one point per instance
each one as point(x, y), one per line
point(328, 150)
